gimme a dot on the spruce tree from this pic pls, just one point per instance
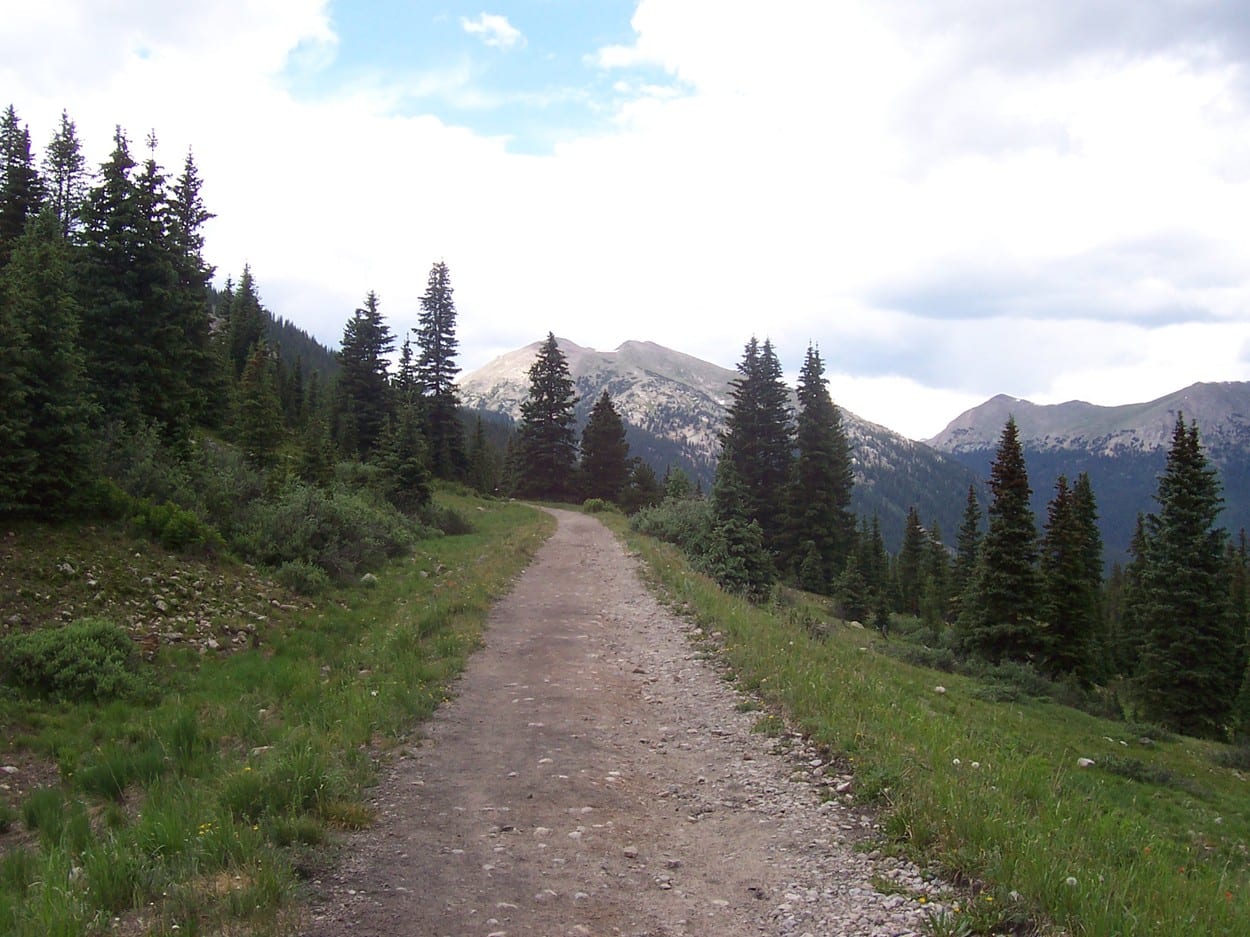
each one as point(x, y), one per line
point(757, 438)
point(363, 383)
point(65, 174)
point(405, 461)
point(482, 474)
point(998, 618)
point(1188, 673)
point(545, 460)
point(735, 555)
point(605, 466)
point(1070, 595)
point(189, 304)
point(436, 372)
point(821, 525)
point(21, 190)
point(51, 408)
point(910, 567)
point(258, 424)
point(935, 577)
point(245, 318)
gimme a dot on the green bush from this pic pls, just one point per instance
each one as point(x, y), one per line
point(597, 506)
point(920, 655)
point(344, 533)
point(302, 577)
point(88, 659)
point(175, 528)
point(447, 520)
point(687, 522)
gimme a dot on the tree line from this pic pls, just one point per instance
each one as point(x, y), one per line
point(1164, 638)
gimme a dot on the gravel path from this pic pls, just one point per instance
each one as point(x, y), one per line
point(594, 776)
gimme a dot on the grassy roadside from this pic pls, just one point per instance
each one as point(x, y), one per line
point(1151, 839)
point(199, 809)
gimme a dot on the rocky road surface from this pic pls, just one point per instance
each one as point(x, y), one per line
point(595, 776)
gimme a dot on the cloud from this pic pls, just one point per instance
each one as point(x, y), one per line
point(494, 30)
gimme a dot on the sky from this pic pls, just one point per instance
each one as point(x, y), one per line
point(951, 199)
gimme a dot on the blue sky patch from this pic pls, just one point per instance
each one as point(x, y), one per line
point(522, 69)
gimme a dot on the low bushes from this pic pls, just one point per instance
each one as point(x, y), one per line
point(86, 660)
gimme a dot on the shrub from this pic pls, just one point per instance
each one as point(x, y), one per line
point(175, 528)
point(1237, 758)
point(920, 655)
point(686, 522)
point(302, 577)
point(88, 659)
point(344, 533)
point(597, 506)
point(447, 520)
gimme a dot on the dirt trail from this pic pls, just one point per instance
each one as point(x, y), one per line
point(592, 776)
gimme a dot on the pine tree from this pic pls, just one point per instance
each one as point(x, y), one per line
point(735, 555)
point(482, 474)
point(998, 619)
point(546, 448)
point(189, 304)
point(1070, 596)
point(21, 190)
point(935, 576)
point(363, 385)
point(643, 490)
point(258, 425)
point(605, 453)
point(405, 461)
point(1188, 672)
point(757, 438)
point(911, 557)
point(436, 372)
point(821, 525)
point(65, 172)
point(967, 544)
point(245, 319)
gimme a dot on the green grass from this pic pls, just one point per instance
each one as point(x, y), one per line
point(1150, 840)
point(200, 809)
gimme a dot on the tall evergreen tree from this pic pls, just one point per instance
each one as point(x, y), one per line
point(819, 509)
point(967, 549)
point(546, 448)
point(258, 425)
point(935, 575)
point(21, 190)
point(998, 619)
point(483, 465)
point(245, 321)
point(436, 372)
point(189, 304)
point(1188, 673)
point(363, 386)
point(735, 554)
point(65, 174)
point(404, 460)
point(605, 453)
point(1070, 596)
point(757, 438)
point(910, 567)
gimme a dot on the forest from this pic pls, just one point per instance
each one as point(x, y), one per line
point(133, 390)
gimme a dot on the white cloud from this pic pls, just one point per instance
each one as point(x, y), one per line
point(494, 30)
point(859, 174)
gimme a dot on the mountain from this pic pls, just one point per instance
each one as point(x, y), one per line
point(673, 406)
point(1122, 448)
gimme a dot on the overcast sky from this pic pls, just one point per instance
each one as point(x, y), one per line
point(952, 198)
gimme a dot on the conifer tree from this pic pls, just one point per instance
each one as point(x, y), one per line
point(50, 410)
point(605, 466)
point(911, 558)
point(245, 321)
point(21, 190)
point(483, 466)
point(735, 555)
point(998, 618)
point(935, 594)
point(821, 525)
point(1190, 664)
point(967, 544)
point(65, 174)
point(436, 372)
point(189, 304)
point(405, 461)
point(363, 384)
point(545, 460)
point(644, 488)
point(258, 425)
point(757, 438)
point(1070, 595)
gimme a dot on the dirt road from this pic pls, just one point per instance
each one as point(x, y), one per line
point(593, 776)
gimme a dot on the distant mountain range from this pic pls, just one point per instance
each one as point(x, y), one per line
point(674, 409)
point(1122, 448)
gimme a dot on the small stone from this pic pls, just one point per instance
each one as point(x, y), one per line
point(1085, 762)
point(939, 690)
point(631, 852)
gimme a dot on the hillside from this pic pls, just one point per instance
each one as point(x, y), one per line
point(674, 407)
